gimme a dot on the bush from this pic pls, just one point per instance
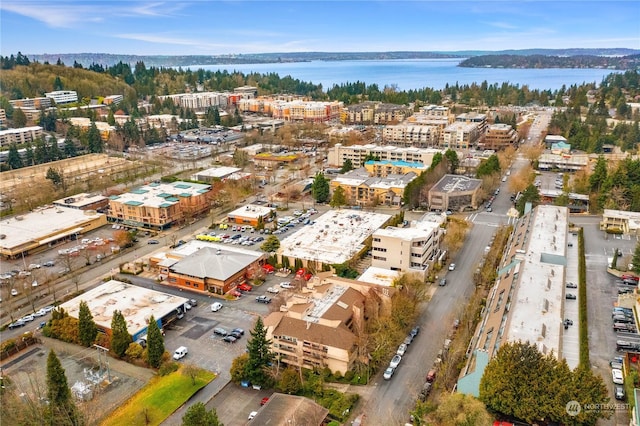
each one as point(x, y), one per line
point(134, 350)
point(349, 375)
point(615, 231)
point(168, 368)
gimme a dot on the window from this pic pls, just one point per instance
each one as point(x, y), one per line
point(384, 259)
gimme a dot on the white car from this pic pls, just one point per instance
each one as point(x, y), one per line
point(252, 415)
point(452, 267)
point(28, 318)
point(273, 290)
point(616, 375)
point(388, 373)
point(401, 349)
point(395, 361)
point(187, 306)
point(216, 306)
point(40, 313)
point(14, 292)
point(180, 353)
point(34, 266)
point(286, 285)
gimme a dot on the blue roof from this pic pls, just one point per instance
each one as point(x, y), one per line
point(182, 185)
point(398, 163)
point(133, 203)
point(139, 191)
point(114, 197)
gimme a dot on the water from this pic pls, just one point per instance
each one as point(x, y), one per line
point(414, 74)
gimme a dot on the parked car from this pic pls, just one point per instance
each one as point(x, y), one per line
point(264, 400)
point(193, 302)
point(34, 266)
point(619, 393)
point(180, 353)
point(617, 362)
point(401, 349)
point(286, 285)
point(616, 375)
point(388, 373)
point(187, 306)
point(408, 340)
point(572, 285)
point(245, 287)
point(216, 306)
point(431, 376)
point(273, 290)
point(395, 361)
point(238, 330)
point(14, 292)
point(16, 324)
point(252, 415)
point(219, 331)
point(40, 313)
point(414, 331)
point(443, 282)
point(571, 296)
point(230, 339)
point(452, 267)
point(263, 299)
point(49, 264)
point(153, 242)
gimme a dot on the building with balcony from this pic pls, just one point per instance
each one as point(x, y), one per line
point(362, 189)
point(620, 221)
point(37, 103)
point(386, 168)
point(390, 113)
point(20, 135)
point(480, 120)
point(63, 96)
point(526, 302)
point(318, 329)
point(307, 111)
point(411, 135)
point(158, 206)
point(499, 136)
point(359, 154)
point(200, 100)
point(409, 250)
point(455, 193)
point(3, 118)
point(113, 99)
point(459, 135)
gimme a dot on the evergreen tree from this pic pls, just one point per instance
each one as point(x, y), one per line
point(55, 177)
point(61, 410)
point(19, 118)
point(69, 148)
point(320, 188)
point(452, 159)
point(260, 355)
point(94, 140)
point(14, 160)
point(120, 337)
point(346, 166)
point(636, 259)
point(339, 198)
point(532, 195)
point(87, 329)
point(29, 155)
point(437, 159)
point(57, 84)
point(155, 343)
point(197, 415)
point(488, 167)
point(599, 175)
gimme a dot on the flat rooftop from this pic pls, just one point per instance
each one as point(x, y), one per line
point(537, 306)
point(80, 200)
point(418, 229)
point(137, 304)
point(252, 211)
point(335, 237)
point(161, 195)
point(43, 224)
point(456, 183)
point(218, 172)
point(379, 276)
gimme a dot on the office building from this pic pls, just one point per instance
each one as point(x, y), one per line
point(455, 193)
point(359, 154)
point(63, 96)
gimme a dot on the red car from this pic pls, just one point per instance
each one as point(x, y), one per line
point(245, 287)
point(302, 273)
point(630, 277)
point(264, 400)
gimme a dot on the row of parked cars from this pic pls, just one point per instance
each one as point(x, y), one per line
point(30, 317)
point(402, 350)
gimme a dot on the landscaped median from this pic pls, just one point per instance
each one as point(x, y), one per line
point(160, 398)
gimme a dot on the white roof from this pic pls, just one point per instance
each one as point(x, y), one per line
point(418, 229)
point(79, 200)
point(335, 237)
point(137, 304)
point(42, 223)
point(379, 276)
point(218, 172)
point(252, 211)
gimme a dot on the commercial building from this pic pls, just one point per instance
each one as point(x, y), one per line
point(159, 205)
point(362, 189)
point(335, 238)
point(20, 135)
point(272, 160)
point(43, 228)
point(359, 154)
point(207, 267)
point(549, 140)
point(563, 162)
point(307, 111)
point(500, 136)
point(215, 174)
point(137, 304)
point(319, 329)
point(455, 193)
point(409, 250)
point(621, 221)
point(251, 214)
point(460, 135)
point(526, 302)
point(63, 96)
point(83, 201)
point(479, 120)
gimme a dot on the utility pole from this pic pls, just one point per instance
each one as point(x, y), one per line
point(102, 351)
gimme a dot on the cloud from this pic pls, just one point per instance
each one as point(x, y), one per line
point(503, 25)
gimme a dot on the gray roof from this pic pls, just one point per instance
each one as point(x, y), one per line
point(213, 263)
point(454, 183)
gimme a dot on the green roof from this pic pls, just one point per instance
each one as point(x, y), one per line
point(139, 191)
point(134, 203)
point(164, 195)
point(182, 185)
point(185, 194)
point(172, 199)
point(165, 205)
point(114, 197)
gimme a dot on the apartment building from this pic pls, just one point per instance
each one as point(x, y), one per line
point(386, 168)
point(409, 250)
point(113, 99)
point(307, 111)
point(159, 205)
point(3, 118)
point(431, 115)
point(319, 329)
point(499, 136)
point(359, 154)
point(200, 100)
point(624, 221)
point(455, 193)
point(411, 135)
point(20, 135)
point(85, 123)
point(37, 103)
point(63, 96)
point(526, 302)
point(364, 190)
point(265, 104)
point(358, 113)
point(460, 135)
point(480, 120)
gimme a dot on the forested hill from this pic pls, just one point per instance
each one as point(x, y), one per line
point(629, 62)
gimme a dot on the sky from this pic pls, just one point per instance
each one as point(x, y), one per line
point(203, 27)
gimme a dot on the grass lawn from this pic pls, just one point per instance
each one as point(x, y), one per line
point(158, 399)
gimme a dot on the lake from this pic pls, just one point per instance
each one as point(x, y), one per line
point(414, 74)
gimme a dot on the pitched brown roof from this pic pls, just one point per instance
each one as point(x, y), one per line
point(290, 410)
point(337, 337)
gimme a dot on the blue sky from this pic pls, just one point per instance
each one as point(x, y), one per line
point(201, 27)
